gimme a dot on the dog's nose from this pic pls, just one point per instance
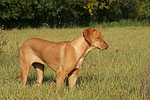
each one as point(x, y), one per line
point(107, 46)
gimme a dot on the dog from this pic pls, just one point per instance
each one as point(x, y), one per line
point(65, 58)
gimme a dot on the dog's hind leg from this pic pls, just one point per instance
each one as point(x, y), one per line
point(39, 68)
point(24, 73)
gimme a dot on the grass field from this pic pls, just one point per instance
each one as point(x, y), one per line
point(122, 72)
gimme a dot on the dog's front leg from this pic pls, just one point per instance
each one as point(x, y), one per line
point(73, 77)
point(60, 78)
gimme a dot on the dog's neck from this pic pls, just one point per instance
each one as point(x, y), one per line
point(79, 42)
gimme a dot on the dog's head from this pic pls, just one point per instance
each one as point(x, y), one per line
point(94, 38)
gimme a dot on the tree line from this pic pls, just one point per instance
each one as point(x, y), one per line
point(68, 13)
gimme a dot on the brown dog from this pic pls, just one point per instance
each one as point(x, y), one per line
point(65, 58)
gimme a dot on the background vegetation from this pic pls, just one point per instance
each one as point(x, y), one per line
point(122, 72)
point(70, 13)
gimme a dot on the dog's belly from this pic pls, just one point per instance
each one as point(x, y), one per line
point(53, 66)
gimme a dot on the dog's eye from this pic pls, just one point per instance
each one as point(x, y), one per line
point(98, 37)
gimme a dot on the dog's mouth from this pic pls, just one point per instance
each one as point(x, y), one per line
point(103, 47)
point(98, 47)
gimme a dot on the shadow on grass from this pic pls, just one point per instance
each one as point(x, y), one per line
point(32, 80)
point(83, 79)
point(80, 80)
point(88, 79)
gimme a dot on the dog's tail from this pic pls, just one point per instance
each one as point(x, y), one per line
point(18, 76)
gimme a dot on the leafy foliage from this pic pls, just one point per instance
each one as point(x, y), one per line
point(59, 13)
point(3, 42)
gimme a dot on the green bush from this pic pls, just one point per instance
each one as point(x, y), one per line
point(66, 13)
point(3, 39)
point(3, 42)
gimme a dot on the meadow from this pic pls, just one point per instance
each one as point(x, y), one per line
point(122, 72)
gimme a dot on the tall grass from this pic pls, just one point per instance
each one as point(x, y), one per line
point(122, 72)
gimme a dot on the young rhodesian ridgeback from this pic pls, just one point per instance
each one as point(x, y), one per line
point(65, 58)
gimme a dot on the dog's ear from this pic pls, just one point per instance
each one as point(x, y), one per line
point(88, 35)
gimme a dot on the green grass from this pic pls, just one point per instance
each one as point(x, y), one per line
point(127, 22)
point(106, 75)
